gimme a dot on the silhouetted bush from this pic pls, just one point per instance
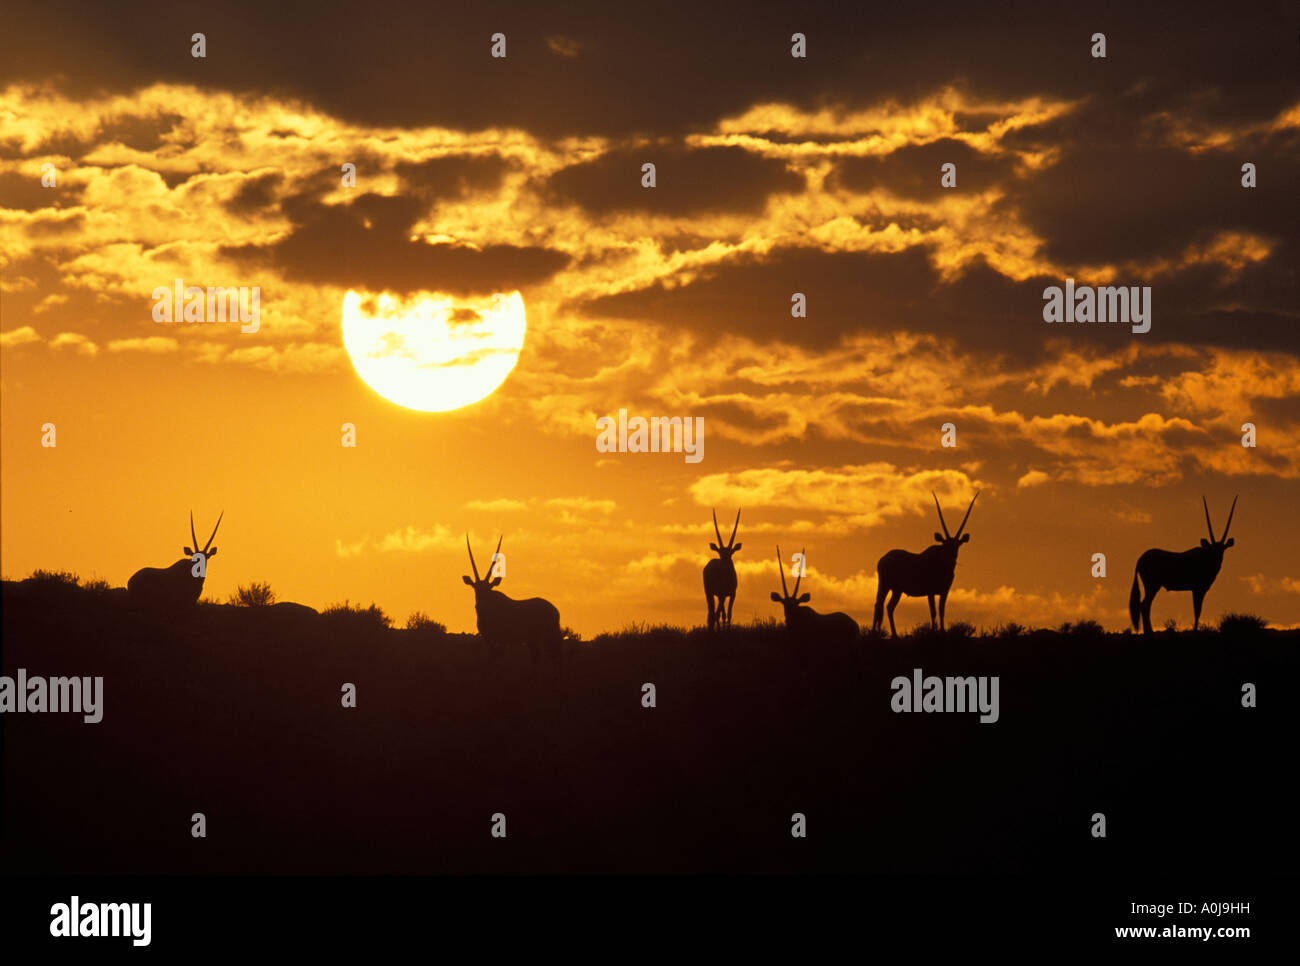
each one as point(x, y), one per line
point(1011, 629)
point(253, 595)
point(1086, 630)
point(961, 629)
point(355, 615)
point(424, 624)
point(1171, 625)
point(54, 577)
point(639, 630)
point(1242, 625)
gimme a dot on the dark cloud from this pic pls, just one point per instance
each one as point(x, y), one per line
point(659, 69)
point(740, 417)
point(452, 177)
point(986, 310)
point(1112, 199)
point(751, 296)
point(48, 227)
point(1280, 416)
point(366, 244)
point(688, 181)
point(980, 309)
point(256, 194)
point(24, 191)
point(913, 171)
point(139, 132)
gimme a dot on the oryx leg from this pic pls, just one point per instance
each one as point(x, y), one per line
point(943, 605)
point(731, 602)
point(878, 615)
point(1198, 598)
point(712, 615)
point(1147, 598)
point(930, 597)
point(893, 602)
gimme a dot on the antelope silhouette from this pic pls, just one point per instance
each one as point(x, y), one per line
point(925, 574)
point(175, 585)
point(800, 620)
point(1192, 570)
point(502, 620)
point(720, 576)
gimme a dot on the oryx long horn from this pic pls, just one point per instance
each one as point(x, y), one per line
point(716, 530)
point(781, 567)
point(803, 557)
point(967, 516)
point(194, 540)
point(940, 509)
point(214, 530)
point(732, 542)
point(1224, 535)
point(472, 565)
point(1208, 524)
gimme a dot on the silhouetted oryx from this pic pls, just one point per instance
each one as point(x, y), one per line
point(1192, 570)
point(925, 574)
point(804, 621)
point(720, 576)
point(175, 585)
point(502, 620)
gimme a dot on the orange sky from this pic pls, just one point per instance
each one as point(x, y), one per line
point(924, 307)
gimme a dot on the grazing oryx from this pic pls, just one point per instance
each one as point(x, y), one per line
point(175, 585)
point(925, 574)
point(805, 621)
point(502, 620)
point(1192, 570)
point(720, 577)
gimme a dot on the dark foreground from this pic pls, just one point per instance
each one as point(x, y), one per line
point(236, 713)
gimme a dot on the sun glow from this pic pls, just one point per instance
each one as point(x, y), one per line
point(431, 352)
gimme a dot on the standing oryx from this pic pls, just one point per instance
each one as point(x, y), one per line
point(720, 577)
point(925, 574)
point(802, 620)
point(1192, 570)
point(502, 620)
point(177, 585)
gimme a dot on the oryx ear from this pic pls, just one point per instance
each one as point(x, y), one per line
point(211, 553)
point(938, 537)
point(737, 547)
point(777, 597)
point(1205, 543)
point(714, 548)
point(189, 552)
point(468, 580)
point(804, 598)
point(495, 581)
point(965, 537)
point(1230, 542)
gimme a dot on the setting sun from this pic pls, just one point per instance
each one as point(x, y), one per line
point(430, 352)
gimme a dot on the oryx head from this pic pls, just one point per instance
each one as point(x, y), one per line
point(790, 601)
point(952, 542)
point(482, 585)
point(731, 547)
point(1224, 541)
point(208, 550)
